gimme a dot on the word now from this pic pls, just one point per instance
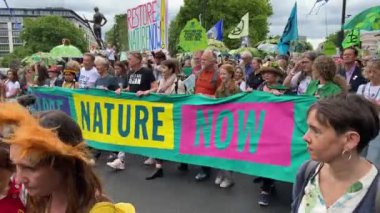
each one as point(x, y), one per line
point(239, 131)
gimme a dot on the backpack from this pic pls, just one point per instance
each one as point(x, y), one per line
point(176, 87)
point(310, 167)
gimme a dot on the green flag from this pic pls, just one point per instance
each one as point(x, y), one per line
point(241, 29)
point(193, 37)
point(367, 20)
point(352, 39)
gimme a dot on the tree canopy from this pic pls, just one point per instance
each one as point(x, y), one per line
point(118, 34)
point(44, 33)
point(231, 11)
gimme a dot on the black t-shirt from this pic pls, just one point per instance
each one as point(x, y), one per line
point(254, 80)
point(108, 82)
point(140, 80)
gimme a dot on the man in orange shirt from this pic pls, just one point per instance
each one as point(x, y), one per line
point(206, 83)
point(207, 80)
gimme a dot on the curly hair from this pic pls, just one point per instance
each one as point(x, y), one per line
point(324, 67)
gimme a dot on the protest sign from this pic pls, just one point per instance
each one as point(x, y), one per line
point(147, 26)
point(253, 133)
point(193, 37)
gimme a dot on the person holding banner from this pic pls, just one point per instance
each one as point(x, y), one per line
point(168, 84)
point(52, 162)
point(105, 81)
point(255, 79)
point(272, 76)
point(88, 74)
point(142, 82)
point(206, 83)
point(227, 88)
point(337, 178)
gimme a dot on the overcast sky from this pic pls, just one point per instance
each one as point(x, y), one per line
point(313, 26)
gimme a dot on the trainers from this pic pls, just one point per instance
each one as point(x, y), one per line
point(116, 164)
point(201, 176)
point(149, 161)
point(226, 183)
point(218, 180)
point(111, 157)
point(264, 198)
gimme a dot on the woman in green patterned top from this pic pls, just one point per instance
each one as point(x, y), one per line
point(325, 81)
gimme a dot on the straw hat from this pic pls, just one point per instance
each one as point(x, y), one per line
point(272, 67)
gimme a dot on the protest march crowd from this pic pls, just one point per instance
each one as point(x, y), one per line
point(44, 157)
point(47, 162)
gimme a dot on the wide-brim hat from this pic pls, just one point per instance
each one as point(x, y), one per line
point(276, 71)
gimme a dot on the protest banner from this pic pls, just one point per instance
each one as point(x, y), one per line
point(193, 37)
point(253, 133)
point(147, 26)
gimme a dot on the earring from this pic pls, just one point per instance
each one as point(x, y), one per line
point(345, 152)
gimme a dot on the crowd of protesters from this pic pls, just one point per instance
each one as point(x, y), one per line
point(335, 122)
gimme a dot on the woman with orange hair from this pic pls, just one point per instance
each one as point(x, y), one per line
point(52, 162)
point(227, 88)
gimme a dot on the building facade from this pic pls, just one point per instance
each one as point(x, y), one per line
point(11, 25)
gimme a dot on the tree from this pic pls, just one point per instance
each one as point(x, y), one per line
point(13, 59)
point(118, 34)
point(230, 11)
point(44, 33)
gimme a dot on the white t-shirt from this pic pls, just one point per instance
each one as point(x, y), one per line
point(87, 78)
point(11, 87)
point(111, 54)
point(300, 86)
point(369, 91)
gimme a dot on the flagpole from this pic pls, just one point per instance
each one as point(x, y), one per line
point(341, 33)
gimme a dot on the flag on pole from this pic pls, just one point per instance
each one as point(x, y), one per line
point(241, 29)
point(317, 5)
point(290, 32)
point(216, 32)
point(352, 39)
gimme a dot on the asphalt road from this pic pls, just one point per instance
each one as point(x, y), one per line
point(177, 192)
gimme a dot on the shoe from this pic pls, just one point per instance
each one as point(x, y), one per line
point(264, 198)
point(111, 157)
point(116, 164)
point(226, 183)
point(156, 174)
point(258, 180)
point(149, 161)
point(201, 176)
point(218, 180)
point(183, 167)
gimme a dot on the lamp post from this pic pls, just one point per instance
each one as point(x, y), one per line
point(341, 33)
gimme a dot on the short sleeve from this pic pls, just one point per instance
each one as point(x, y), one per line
point(294, 80)
point(150, 76)
point(17, 85)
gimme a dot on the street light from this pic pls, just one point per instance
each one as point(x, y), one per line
point(341, 33)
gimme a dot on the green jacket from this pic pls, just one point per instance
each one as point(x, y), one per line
point(326, 90)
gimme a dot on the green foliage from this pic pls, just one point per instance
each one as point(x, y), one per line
point(118, 34)
point(13, 60)
point(43, 33)
point(230, 11)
